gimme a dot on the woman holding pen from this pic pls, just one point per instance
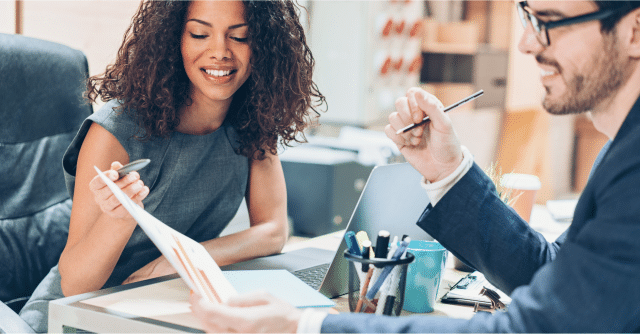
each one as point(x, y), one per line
point(206, 91)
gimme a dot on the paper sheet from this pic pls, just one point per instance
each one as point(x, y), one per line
point(190, 259)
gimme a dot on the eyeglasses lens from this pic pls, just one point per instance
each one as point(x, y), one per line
point(526, 18)
point(523, 16)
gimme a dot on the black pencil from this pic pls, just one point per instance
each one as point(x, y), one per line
point(426, 118)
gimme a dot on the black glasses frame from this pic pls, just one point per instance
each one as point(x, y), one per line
point(542, 28)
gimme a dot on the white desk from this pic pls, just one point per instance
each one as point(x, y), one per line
point(161, 305)
point(155, 314)
point(156, 305)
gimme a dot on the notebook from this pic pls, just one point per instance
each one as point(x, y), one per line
point(391, 200)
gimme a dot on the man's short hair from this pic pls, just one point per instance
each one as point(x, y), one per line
point(623, 7)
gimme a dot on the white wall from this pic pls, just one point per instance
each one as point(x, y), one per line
point(94, 27)
point(7, 17)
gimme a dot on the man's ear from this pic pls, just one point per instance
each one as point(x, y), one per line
point(632, 33)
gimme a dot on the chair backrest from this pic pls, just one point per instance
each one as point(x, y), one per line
point(41, 108)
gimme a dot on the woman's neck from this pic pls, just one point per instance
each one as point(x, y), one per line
point(200, 118)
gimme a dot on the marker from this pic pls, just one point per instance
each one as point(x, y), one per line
point(392, 288)
point(387, 269)
point(388, 304)
point(386, 285)
point(366, 247)
point(362, 236)
point(382, 245)
point(382, 300)
point(132, 166)
point(352, 243)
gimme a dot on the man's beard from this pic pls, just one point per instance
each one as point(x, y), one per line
point(585, 91)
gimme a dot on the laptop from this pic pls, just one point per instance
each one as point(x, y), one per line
point(391, 200)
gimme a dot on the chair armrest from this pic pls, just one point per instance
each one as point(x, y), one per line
point(11, 321)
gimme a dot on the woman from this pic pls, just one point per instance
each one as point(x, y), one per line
point(206, 90)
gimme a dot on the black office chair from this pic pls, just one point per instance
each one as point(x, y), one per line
point(41, 108)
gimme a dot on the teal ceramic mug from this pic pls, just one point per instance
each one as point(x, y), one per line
point(424, 275)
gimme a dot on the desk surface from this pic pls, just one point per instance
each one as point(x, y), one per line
point(161, 305)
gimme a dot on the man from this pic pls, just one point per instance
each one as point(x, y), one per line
point(587, 280)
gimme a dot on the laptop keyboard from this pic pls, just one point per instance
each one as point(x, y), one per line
point(313, 276)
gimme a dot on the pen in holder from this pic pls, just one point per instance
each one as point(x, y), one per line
point(393, 288)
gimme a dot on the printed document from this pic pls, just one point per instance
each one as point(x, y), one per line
point(190, 259)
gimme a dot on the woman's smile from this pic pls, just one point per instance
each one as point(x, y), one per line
point(219, 76)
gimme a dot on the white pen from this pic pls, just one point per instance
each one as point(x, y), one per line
point(392, 287)
point(386, 285)
point(394, 246)
point(391, 292)
point(375, 289)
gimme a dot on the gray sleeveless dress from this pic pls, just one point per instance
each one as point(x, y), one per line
point(196, 185)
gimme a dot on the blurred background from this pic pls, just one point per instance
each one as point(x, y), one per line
point(368, 53)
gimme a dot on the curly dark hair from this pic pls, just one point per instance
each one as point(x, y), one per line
point(273, 106)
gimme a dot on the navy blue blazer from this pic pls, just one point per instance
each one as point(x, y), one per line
point(588, 280)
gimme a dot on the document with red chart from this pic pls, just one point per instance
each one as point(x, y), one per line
point(190, 259)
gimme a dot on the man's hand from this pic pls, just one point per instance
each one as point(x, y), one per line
point(253, 313)
point(432, 149)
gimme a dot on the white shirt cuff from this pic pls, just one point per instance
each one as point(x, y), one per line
point(311, 321)
point(437, 190)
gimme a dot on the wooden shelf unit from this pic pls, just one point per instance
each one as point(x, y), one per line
point(484, 35)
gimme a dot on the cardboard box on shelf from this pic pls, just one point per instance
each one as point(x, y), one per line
point(450, 37)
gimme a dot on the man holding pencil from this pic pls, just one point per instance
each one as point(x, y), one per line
point(587, 280)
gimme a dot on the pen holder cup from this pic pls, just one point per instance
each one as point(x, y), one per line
point(394, 283)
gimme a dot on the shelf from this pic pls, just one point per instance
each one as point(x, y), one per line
point(450, 37)
point(486, 23)
point(452, 48)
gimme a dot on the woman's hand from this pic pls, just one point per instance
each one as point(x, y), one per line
point(432, 149)
point(156, 268)
point(130, 185)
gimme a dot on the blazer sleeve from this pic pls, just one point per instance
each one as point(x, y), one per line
point(590, 286)
point(488, 235)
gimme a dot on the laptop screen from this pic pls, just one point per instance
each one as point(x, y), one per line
point(392, 200)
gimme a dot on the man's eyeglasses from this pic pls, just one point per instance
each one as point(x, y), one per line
point(542, 28)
